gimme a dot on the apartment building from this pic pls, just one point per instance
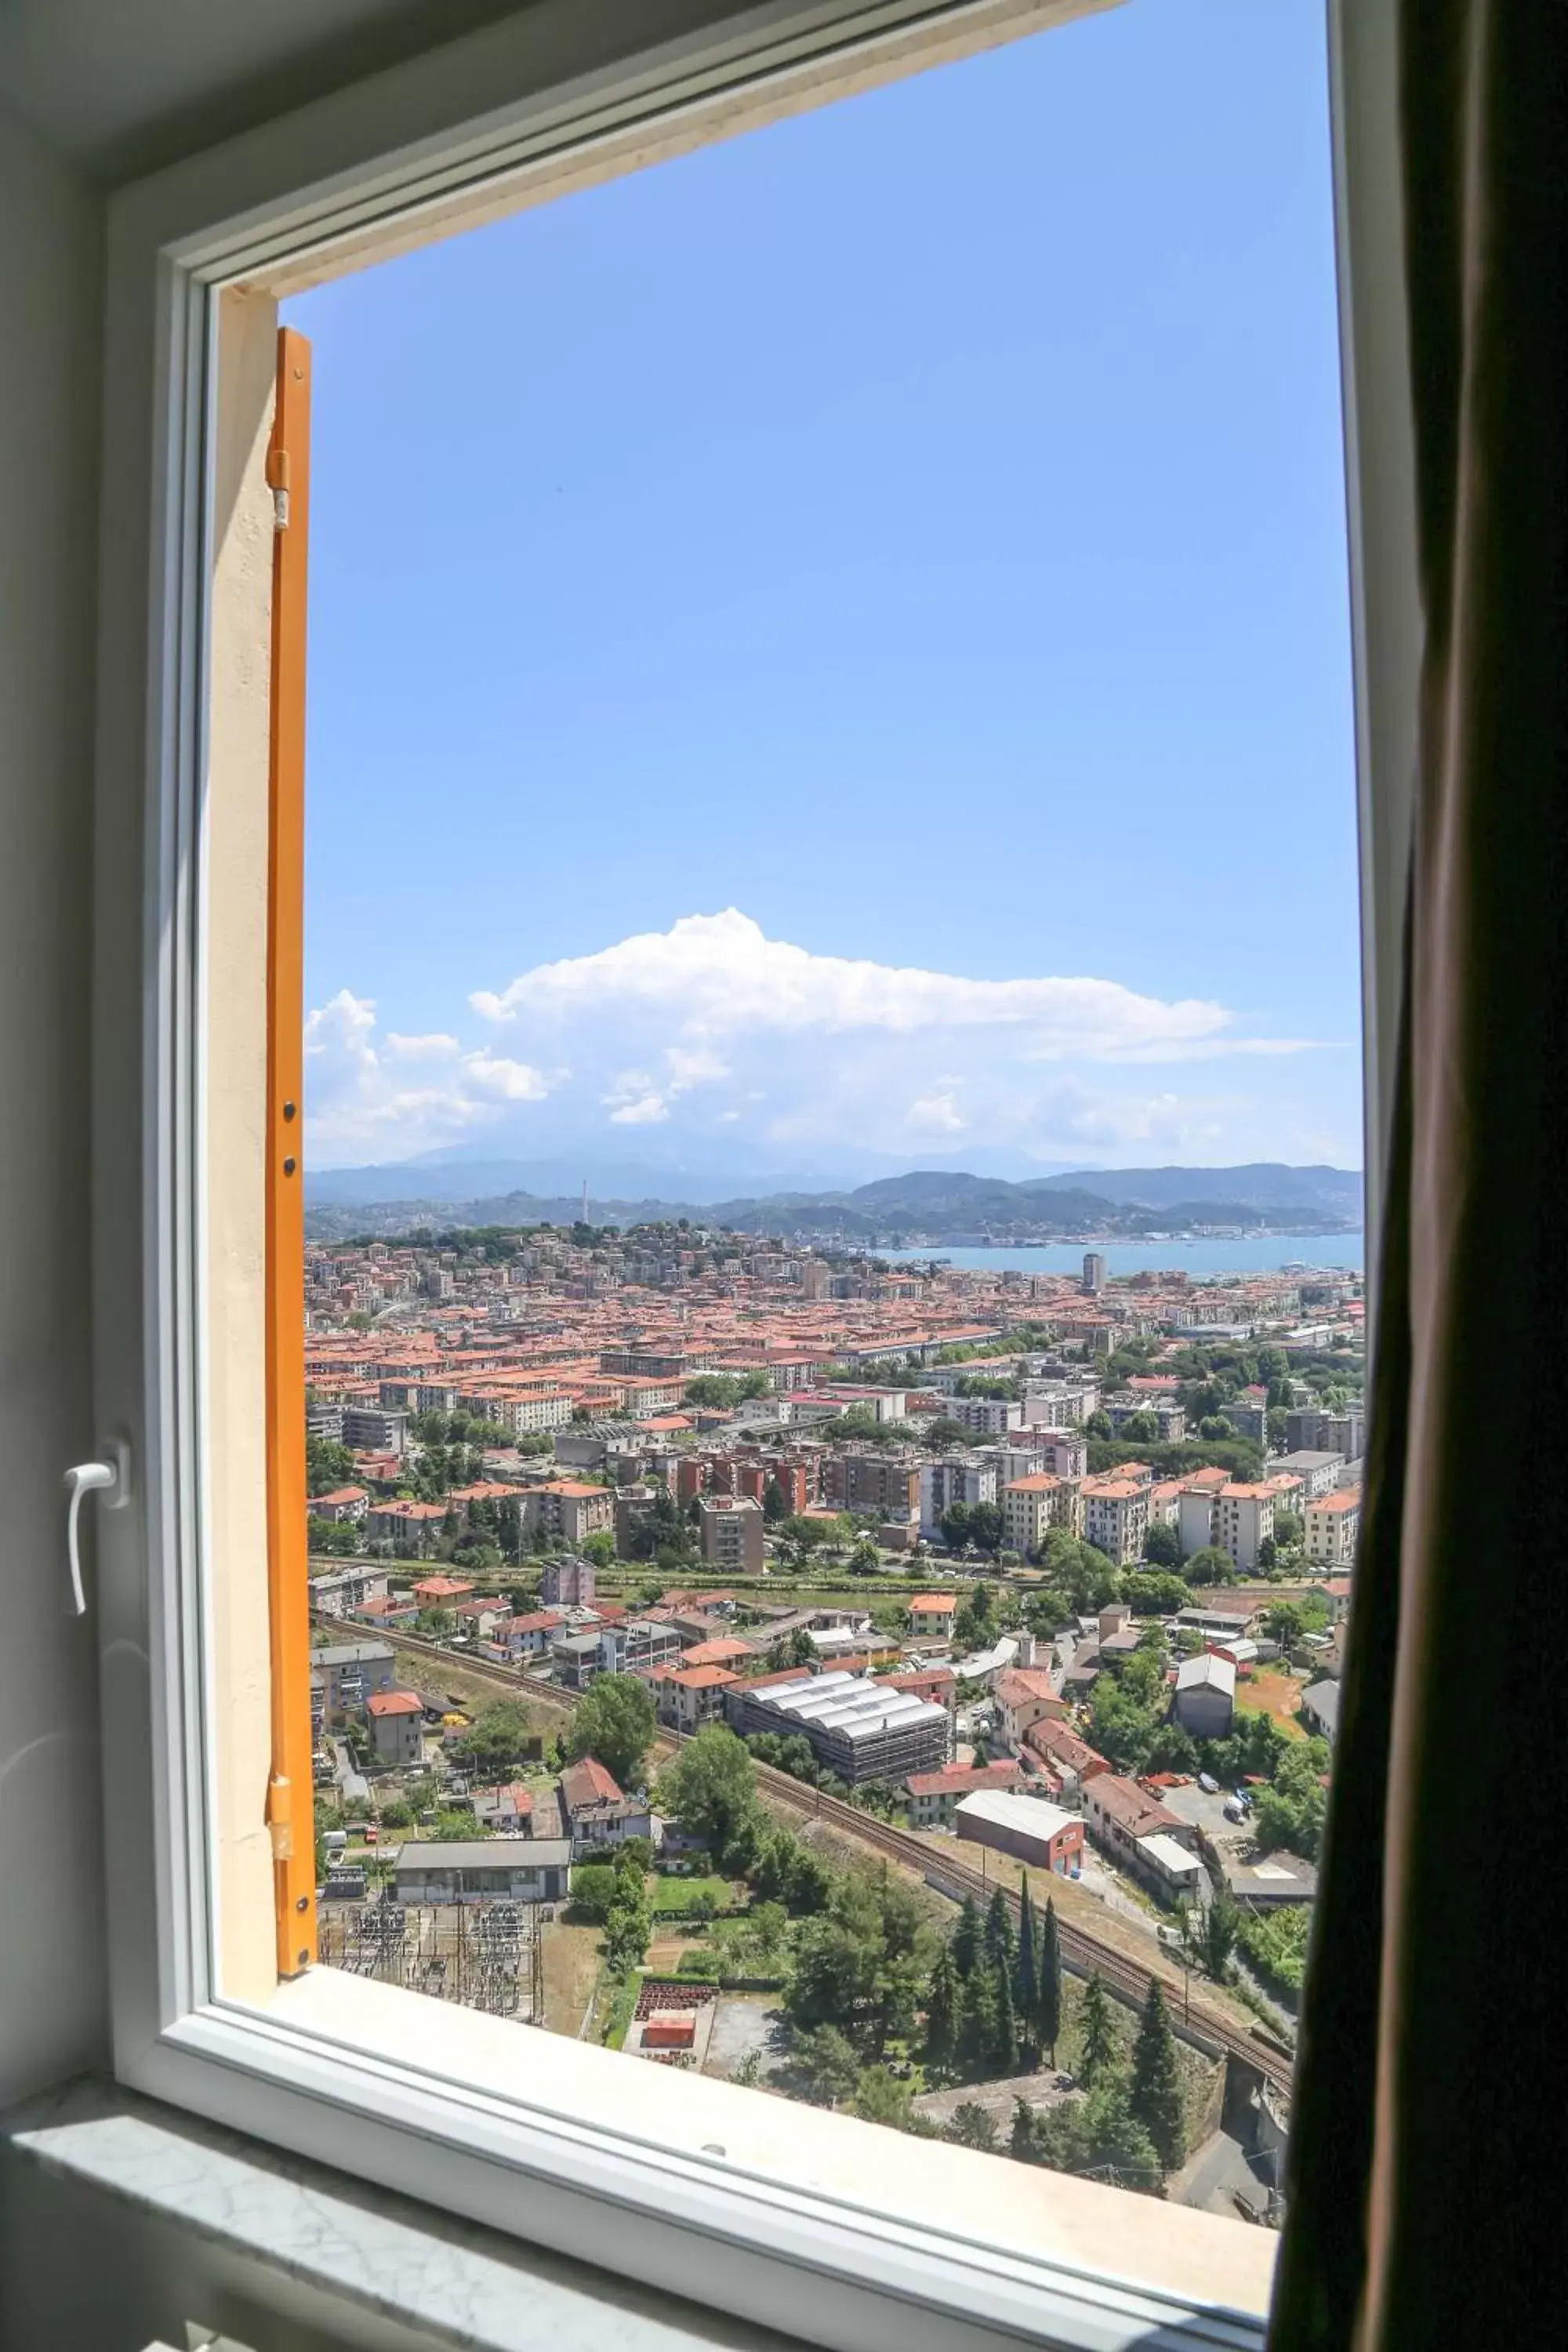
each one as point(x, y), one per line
point(345, 1590)
point(341, 1506)
point(374, 1429)
point(1116, 1518)
point(568, 1583)
point(1031, 1507)
point(639, 1645)
point(568, 1508)
point(872, 1481)
point(520, 1411)
point(960, 1478)
point(730, 1529)
point(1333, 1525)
point(346, 1674)
point(932, 1799)
point(985, 1416)
point(1243, 1521)
point(1319, 1471)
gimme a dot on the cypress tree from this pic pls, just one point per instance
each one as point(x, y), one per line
point(1005, 2047)
point(1099, 2040)
point(1026, 1968)
point(965, 1946)
point(999, 1941)
point(1047, 2014)
point(1155, 2100)
point(977, 2017)
point(943, 2000)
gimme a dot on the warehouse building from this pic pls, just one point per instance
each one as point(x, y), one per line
point(482, 1870)
point(860, 1730)
point(1030, 1829)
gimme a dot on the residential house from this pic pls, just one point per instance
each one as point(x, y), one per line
point(1320, 1707)
point(441, 1591)
point(527, 1636)
point(344, 1591)
point(1119, 1813)
point(397, 1719)
point(1022, 1695)
point(932, 1616)
point(595, 1813)
point(1068, 1760)
point(341, 1507)
point(689, 1697)
point(931, 1799)
point(507, 1809)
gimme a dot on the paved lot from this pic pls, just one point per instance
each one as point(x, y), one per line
point(743, 2022)
point(1205, 1813)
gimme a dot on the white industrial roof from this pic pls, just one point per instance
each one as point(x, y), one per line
point(1207, 1673)
point(1034, 1815)
point(1164, 1849)
point(852, 1703)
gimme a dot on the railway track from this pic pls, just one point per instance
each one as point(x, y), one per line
point(1195, 2017)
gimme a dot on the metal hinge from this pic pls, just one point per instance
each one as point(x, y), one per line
point(277, 483)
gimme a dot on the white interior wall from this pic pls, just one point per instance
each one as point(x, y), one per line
point(51, 1963)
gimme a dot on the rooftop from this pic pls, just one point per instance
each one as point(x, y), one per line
point(1034, 1816)
point(482, 1854)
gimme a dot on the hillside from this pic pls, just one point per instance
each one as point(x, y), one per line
point(938, 1205)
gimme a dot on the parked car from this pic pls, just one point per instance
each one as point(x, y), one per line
point(1208, 1784)
point(1235, 1811)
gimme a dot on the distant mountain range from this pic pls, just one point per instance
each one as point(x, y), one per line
point(936, 1206)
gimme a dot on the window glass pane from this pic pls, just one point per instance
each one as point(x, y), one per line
point(833, 1102)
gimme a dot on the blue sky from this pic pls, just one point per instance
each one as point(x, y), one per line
point(761, 605)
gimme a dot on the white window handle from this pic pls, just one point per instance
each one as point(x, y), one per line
point(113, 1479)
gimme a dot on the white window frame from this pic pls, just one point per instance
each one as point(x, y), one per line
point(403, 143)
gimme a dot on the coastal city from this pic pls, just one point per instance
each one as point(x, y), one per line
point(891, 1684)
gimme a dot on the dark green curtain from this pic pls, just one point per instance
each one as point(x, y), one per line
point(1428, 2187)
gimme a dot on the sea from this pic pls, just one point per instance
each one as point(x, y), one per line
point(1208, 1255)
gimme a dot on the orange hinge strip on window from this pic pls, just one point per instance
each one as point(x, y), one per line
point(290, 1804)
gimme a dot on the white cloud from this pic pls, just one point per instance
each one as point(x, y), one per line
point(711, 1023)
point(435, 1047)
point(720, 976)
point(937, 1114)
point(359, 1096)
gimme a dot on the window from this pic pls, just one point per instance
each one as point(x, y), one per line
point(202, 1692)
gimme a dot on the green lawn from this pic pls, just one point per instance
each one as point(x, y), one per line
point(674, 1895)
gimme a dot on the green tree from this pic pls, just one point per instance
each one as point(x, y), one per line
point(327, 1465)
point(1289, 1530)
point(593, 1890)
point(1221, 1930)
point(1162, 1546)
point(1210, 1566)
point(1048, 2019)
point(966, 1939)
point(1099, 2051)
point(1283, 1625)
point(628, 1924)
point(1155, 2097)
point(1000, 1943)
point(943, 2001)
point(332, 1538)
point(1003, 2051)
point(600, 1548)
point(882, 2098)
point(1026, 1966)
point(712, 1786)
point(972, 2126)
point(498, 1740)
point(977, 2020)
point(614, 1720)
point(775, 1508)
point(824, 2059)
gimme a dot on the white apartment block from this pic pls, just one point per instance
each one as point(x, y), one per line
point(520, 1413)
point(956, 1480)
point(1333, 1525)
point(1194, 1519)
point(985, 1416)
point(1243, 1520)
point(1116, 1518)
